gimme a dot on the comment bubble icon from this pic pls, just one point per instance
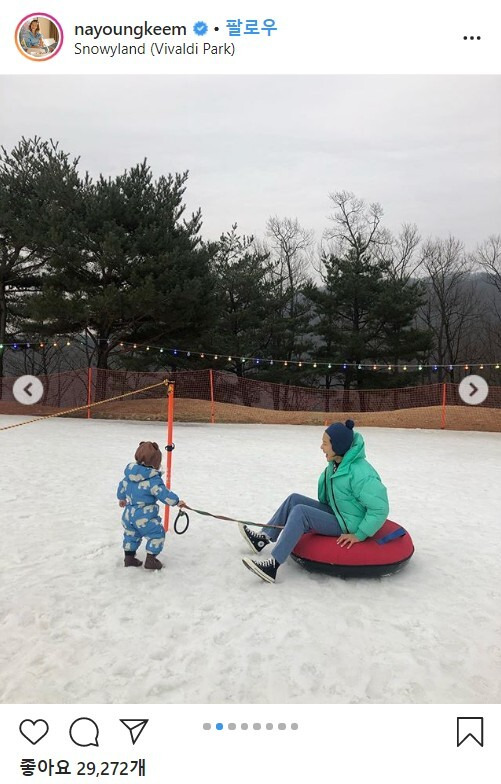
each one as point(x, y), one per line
point(84, 732)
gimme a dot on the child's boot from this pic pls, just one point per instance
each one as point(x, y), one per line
point(152, 562)
point(131, 560)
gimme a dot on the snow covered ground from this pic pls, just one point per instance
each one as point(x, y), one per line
point(75, 626)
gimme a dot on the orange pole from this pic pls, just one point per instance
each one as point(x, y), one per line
point(212, 406)
point(89, 391)
point(444, 398)
point(170, 428)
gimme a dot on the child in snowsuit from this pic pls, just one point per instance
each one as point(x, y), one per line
point(139, 491)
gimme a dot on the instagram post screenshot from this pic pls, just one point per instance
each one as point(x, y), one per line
point(250, 392)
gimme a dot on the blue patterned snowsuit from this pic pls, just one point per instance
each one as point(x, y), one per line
point(142, 487)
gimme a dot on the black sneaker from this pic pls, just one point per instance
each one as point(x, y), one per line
point(255, 541)
point(266, 570)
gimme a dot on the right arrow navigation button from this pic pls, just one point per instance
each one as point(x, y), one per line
point(473, 390)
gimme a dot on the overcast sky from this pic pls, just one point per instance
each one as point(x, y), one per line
point(428, 149)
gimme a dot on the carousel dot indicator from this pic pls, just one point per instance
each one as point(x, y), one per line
point(219, 726)
point(294, 726)
point(282, 726)
point(256, 726)
point(232, 726)
point(269, 726)
point(207, 726)
point(244, 726)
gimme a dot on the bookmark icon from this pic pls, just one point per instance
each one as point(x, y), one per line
point(135, 727)
point(470, 727)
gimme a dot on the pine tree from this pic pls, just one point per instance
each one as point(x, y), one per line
point(245, 292)
point(129, 268)
point(364, 316)
point(37, 184)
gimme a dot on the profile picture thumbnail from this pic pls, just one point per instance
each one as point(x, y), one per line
point(39, 36)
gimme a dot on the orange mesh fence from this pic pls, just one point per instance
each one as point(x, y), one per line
point(457, 415)
point(228, 388)
point(493, 399)
point(204, 395)
point(61, 390)
point(110, 383)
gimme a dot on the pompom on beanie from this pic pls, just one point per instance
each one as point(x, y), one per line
point(341, 436)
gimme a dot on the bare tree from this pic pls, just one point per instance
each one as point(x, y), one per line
point(452, 309)
point(488, 258)
point(356, 227)
point(488, 255)
point(291, 246)
point(401, 253)
point(491, 338)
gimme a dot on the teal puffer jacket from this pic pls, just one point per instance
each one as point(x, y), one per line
point(355, 492)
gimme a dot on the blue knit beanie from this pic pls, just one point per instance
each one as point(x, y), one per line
point(341, 436)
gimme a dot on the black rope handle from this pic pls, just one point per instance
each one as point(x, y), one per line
point(182, 513)
point(233, 519)
point(187, 523)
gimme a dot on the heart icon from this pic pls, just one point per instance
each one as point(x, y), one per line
point(34, 730)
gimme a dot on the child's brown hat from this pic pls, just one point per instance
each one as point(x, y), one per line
point(148, 454)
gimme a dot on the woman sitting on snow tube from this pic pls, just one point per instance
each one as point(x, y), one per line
point(352, 504)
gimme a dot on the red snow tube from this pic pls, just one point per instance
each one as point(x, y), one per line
point(384, 553)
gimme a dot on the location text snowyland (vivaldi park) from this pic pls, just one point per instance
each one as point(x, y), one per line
point(155, 49)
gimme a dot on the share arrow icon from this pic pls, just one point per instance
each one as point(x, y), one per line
point(135, 727)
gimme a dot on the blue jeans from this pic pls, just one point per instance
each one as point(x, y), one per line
point(299, 514)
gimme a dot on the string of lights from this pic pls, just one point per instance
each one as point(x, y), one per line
point(251, 361)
